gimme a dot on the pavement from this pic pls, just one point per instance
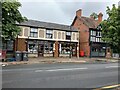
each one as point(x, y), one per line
point(61, 75)
point(60, 60)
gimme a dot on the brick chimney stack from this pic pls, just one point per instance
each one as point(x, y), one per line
point(79, 13)
point(100, 17)
point(92, 17)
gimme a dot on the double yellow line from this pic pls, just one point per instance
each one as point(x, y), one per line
point(108, 87)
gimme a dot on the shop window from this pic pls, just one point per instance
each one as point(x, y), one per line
point(64, 48)
point(68, 35)
point(32, 48)
point(49, 34)
point(48, 48)
point(34, 32)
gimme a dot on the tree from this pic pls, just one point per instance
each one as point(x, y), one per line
point(11, 16)
point(94, 15)
point(111, 28)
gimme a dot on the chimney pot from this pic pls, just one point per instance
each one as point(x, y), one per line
point(79, 13)
point(92, 17)
point(100, 17)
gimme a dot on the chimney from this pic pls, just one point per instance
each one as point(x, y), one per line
point(92, 17)
point(100, 17)
point(79, 13)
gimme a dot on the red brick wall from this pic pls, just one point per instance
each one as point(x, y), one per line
point(84, 36)
point(20, 44)
point(56, 49)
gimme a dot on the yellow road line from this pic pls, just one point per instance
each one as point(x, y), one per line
point(108, 87)
point(113, 86)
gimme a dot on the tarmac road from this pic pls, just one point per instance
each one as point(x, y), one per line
point(60, 75)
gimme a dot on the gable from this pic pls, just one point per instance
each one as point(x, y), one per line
point(90, 23)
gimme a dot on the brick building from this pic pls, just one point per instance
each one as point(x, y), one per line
point(42, 39)
point(84, 25)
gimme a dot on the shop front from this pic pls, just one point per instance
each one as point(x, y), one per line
point(37, 48)
point(67, 48)
point(98, 50)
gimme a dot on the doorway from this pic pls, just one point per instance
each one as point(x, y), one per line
point(40, 50)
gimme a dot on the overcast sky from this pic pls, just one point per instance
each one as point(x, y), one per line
point(62, 11)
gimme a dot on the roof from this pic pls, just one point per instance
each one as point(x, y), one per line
point(91, 23)
point(48, 25)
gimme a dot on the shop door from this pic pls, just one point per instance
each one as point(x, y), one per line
point(41, 50)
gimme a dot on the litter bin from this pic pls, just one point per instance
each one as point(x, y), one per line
point(18, 56)
point(24, 56)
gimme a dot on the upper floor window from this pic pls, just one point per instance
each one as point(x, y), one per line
point(68, 35)
point(92, 39)
point(49, 34)
point(98, 34)
point(34, 32)
point(93, 33)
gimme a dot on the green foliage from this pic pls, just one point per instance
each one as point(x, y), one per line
point(11, 16)
point(111, 28)
point(94, 15)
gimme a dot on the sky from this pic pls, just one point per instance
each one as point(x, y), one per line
point(63, 11)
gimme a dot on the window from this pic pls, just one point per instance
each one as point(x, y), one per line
point(93, 39)
point(98, 34)
point(49, 34)
point(64, 48)
point(97, 39)
point(67, 48)
point(32, 48)
point(93, 33)
point(68, 35)
point(48, 48)
point(34, 32)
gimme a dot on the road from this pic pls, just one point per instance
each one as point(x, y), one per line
point(69, 75)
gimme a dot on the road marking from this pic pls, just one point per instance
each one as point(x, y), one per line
point(113, 86)
point(61, 69)
point(112, 66)
point(108, 87)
